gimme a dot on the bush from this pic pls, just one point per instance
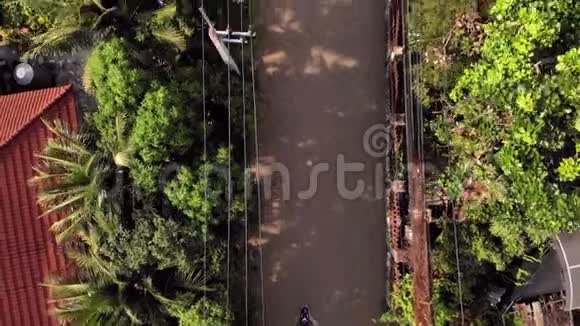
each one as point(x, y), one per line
point(431, 21)
point(165, 127)
point(117, 83)
point(187, 191)
point(155, 241)
point(162, 127)
point(202, 313)
point(18, 14)
point(401, 307)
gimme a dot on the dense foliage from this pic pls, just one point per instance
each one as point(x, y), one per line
point(188, 190)
point(401, 305)
point(74, 24)
point(16, 22)
point(501, 95)
point(512, 129)
point(202, 313)
point(163, 116)
point(118, 85)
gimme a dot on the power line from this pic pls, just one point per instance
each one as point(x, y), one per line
point(417, 76)
point(257, 172)
point(229, 180)
point(245, 166)
point(205, 177)
point(459, 284)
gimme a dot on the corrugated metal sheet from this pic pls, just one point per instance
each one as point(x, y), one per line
point(28, 252)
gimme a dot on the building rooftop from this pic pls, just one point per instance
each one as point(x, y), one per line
point(28, 252)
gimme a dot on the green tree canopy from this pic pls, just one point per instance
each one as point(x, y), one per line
point(188, 190)
point(512, 128)
point(75, 24)
point(202, 313)
point(161, 126)
point(112, 74)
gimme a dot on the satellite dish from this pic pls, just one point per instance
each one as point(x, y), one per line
point(23, 74)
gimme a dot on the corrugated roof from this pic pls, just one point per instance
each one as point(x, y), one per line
point(567, 245)
point(18, 110)
point(28, 252)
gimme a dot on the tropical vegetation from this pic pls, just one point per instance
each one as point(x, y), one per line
point(499, 87)
point(142, 188)
point(64, 26)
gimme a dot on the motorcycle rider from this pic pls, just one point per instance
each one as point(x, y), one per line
point(305, 319)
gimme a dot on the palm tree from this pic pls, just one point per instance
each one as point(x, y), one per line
point(81, 23)
point(103, 292)
point(109, 301)
point(122, 153)
point(119, 146)
point(70, 178)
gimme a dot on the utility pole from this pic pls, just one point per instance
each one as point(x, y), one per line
point(220, 38)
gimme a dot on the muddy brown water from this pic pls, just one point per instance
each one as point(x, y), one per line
point(321, 86)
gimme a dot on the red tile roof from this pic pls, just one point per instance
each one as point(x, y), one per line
point(20, 109)
point(28, 252)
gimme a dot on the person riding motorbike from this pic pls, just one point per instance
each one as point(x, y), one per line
point(305, 319)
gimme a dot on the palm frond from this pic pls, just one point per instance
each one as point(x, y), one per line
point(158, 16)
point(90, 165)
point(40, 175)
point(66, 135)
point(63, 131)
point(74, 180)
point(61, 289)
point(99, 4)
point(89, 258)
point(94, 307)
point(105, 223)
point(59, 128)
point(132, 316)
point(45, 199)
point(64, 229)
point(65, 147)
point(165, 13)
point(171, 36)
point(87, 80)
point(120, 147)
point(53, 199)
point(93, 265)
point(59, 161)
point(96, 24)
point(148, 285)
point(193, 280)
point(60, 40)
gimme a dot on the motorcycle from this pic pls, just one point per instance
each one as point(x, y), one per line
point(305, 319)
